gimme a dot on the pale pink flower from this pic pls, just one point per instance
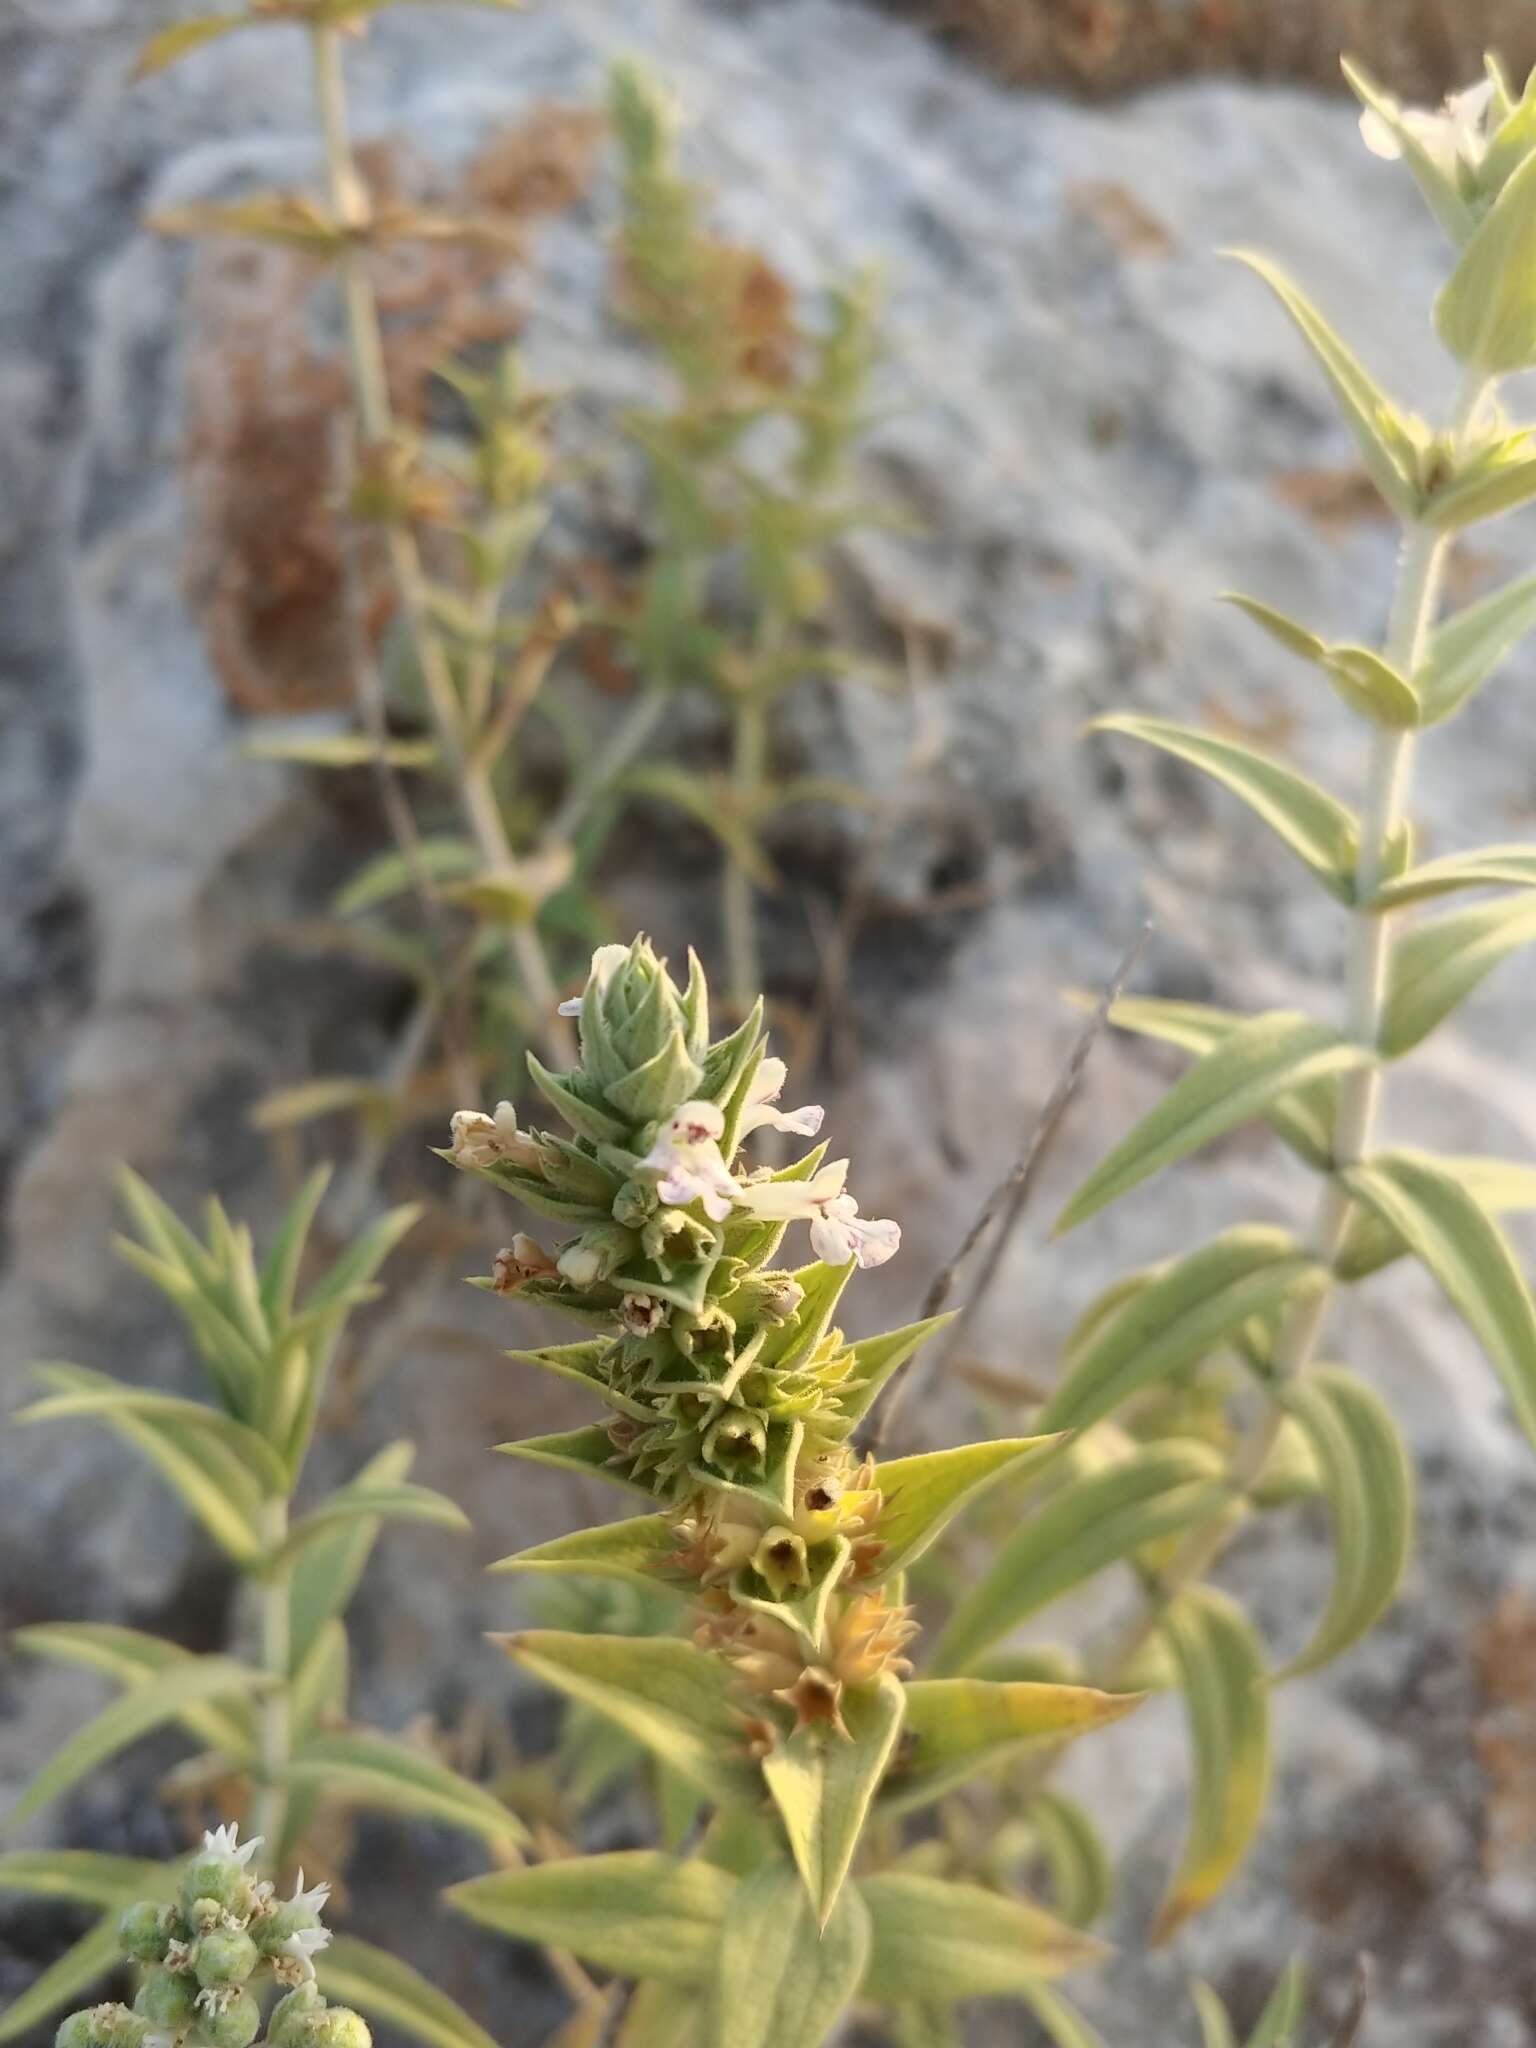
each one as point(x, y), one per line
point(838, 1232)
point(685, 1161)
point(766, 1090)
point(480, 1140)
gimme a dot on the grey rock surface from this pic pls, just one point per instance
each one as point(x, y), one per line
point(1094, 428)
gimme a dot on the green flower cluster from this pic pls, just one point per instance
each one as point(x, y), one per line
point(201, 1955)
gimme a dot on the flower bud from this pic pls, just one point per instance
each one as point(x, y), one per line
point(780, 1560)
point(168, 2002)
point(285, 2028)
point(226, 1956)
point(145, 1932)
point(102, 2026)
point(588, 1260)
point(221, 1878)
point(337, 2027)
point(232, 2023)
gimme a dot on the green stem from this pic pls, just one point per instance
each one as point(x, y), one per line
point(370, 383)
point(737, 901)
point(269, 1809)
point(612, 758)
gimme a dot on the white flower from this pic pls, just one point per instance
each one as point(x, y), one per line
point(685, 1161)
point(606, 962)
point(1458, 134)
point(522, 1260)
point(766, 1090)
point(838, 1232)
point(480, 1140)
point(642, 1315)
point(313, 1900)
point(299, 1950)
point(225, 1841)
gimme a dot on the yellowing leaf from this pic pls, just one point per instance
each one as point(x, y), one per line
point(957, 1727)
point(637, 1912)
point(636, 1550)
point(923, 1494)
point(822, 1784)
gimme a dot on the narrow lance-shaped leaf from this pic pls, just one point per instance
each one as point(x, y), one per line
point(823, 1782)
point(637, 1912)
point(1367, 682)
point(877, 1358)
point(1486, 867)
point(780, 1980)
point(1486, 314)
point(1221, 1670)
point(104, 1402)
point(1216, 2029)
point(1468, 1256)
point(1158, 1490)
point(376, 1771)
point(400, 1502)
point(635, 1550)
point(588, 1451)
point(326, 1572)
point(1379, 430)
point(130, 1657)
point(1268, 1057)
point(1315, 826)
point(940, 1942)
point(84, 1963)
point(1368, 1478)
point(923, 1494)
point(958, 1727)
point(1064, 2025)
point(1496, 1185)
point(1466, 649)
point(1284, 2011)
point(352, 1972)
point(1182, 1314)
point(171, 44)
point(86, 1876)
point(1082, 1877)
point(1439, 964)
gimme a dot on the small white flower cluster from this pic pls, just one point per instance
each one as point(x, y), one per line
point(1455, 137)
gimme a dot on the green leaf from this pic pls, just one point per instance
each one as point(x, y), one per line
point(1304, 1121)
point(1257, 1062)
point(1498, 1185)
point(132, 1715)
point(588, 1451)
point(1438, 185)
point(1442, 960)
point(662, 2016)
point(1380, 431)
point(319, 1686)
point(1467, 649)
point(326, 1572)
point(394, 1777)
point(284, 1109)
point(877, 1358)
point(1182, 1314)
point(675, 1699)
point(923, 1494)
point(823, 1783)
point(780, 1981)
point(957, 1727)
point(351, 1972)
point(85, 1876)
point(1502, 478)
point(582, 1116)
point(635, 1550)
point(395, 873)
point(210, 1480)
point(129, 1657)
point(1284, 2012)
point(1215, 2022)
point(82, 1964)
point(940, 1942)
point(101, 1403)
point(280, 1274)
point(1468, 1256)
point(1368, 1479)
point(169, 45)
point(1286, 631)
point(1315, 826)
point(1063, 2023)
point(339, 750)
point(1221, 1670)
point(710, 801)
point(375, 1502)
point(1082, 1877)
point(638, 1913)
point(1512, 866)
point(1486, 314)
point(1160, 1489)
point(1372, 687)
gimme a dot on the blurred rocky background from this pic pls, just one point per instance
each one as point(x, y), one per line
point(1090, 427)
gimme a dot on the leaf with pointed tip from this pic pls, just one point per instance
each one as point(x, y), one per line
point(1221, 1672)
point(922, 1495)
point(1489, 867)
point(1438, 184)
point(1062, 2022)
point(86, 1876)
point(1442, 960)
point(1304, 1120)
point(637, 1550)
point(583, 1117)
point(1486, 312)
point(1315, 826)
point(877, 1358)
point(793, 1341)
point(169, 45)
point(1159, 1489)
point(780, 1980)
point(326, 1572)
point(636, 1912)
point(1368, 683)
point(377, 1772)
point(280, 1271)
point(1466, 649)
point(1497, 1185)
point(959, 1726)
point(1501, 479)
point(1467, 1254)
point(82, 1964)
point(1215, 2020)
point(372, 1501)
point(823, 1784)
point(1188, 1309)
point(318, 1689)
point(353, 1972)
point(129, 1657)
point(131, 1716)
point(1284, 2012)
point(1082, 1877)
point(942, 1942)
point(1265, 1058)
point(677, 1700)
point(1368, 1481)
point(588, 1451)
point(1285, 631)
point(1380, 431)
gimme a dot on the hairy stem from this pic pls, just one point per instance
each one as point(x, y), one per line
point(738, 907)
point(269, 1809)
point(472, 782)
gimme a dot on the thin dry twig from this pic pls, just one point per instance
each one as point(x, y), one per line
point(1359, 1999)
point(1007, 1202)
